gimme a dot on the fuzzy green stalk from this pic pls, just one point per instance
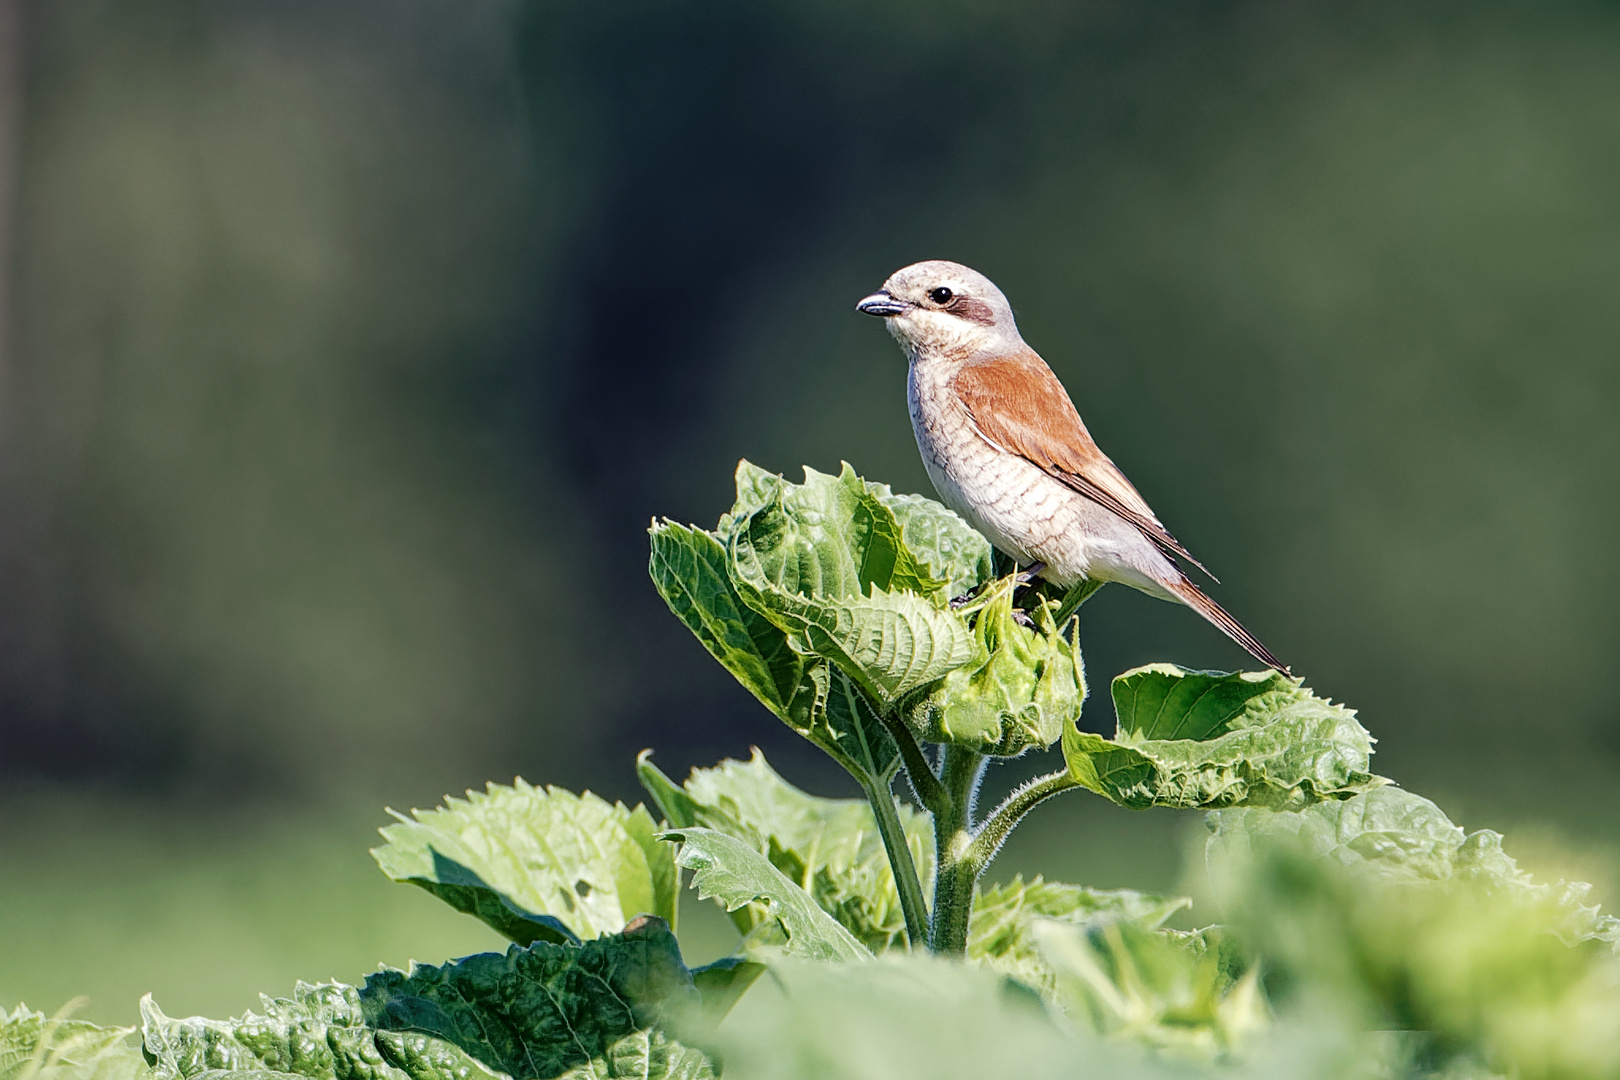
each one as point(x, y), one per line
point(955, 877)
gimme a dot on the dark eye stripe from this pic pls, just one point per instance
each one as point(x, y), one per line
point(972, 310)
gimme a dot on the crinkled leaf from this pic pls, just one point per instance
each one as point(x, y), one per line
point(1022, 688)
point(1392, 835)
point(536, 864)
point(550, 1010)
point(830, 847)
point(951, 549)
point(1005, 916)
point(1212, 739)
point(729, 870)
point(590, 1010)
point(1127, 979)
point(320, 1032)
point(34, 1046)
point(824, 561)
point(828, 537)
point(690, 569)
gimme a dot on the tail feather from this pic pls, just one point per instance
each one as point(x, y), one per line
point(1194, 598)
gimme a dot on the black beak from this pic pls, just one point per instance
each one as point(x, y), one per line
point(882, 305)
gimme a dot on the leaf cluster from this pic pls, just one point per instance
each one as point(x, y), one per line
point(1363, 934)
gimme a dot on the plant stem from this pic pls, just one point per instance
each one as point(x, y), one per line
point(955, 876)
point(930, 792)
point(1005, 817)
point(880, 793)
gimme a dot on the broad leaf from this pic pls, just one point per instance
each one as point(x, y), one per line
point(1023, 687)
point(1391, 835)
point(691, 571)
point(1002, 931)
point(591, 1010)
point(552, 1010)
point(1130, 980)
point(915, 1017)
point(34, 1046)
point(824, 561)
point(319, 1033)
point(829, 847)
point(537, 864)
point(951, 549)
point(1384, 907)
point(828, 537)
point(730, 871)
point(1211, 739)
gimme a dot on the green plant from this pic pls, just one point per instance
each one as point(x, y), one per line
point(1365, 934)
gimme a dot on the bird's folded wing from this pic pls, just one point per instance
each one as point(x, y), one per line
point(1017, 405)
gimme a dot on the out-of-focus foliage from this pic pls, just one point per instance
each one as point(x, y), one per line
point(34, 1046)
point(1381, 909)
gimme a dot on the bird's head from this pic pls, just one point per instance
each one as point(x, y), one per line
point(944, 309)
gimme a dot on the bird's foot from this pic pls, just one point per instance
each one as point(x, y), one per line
point(960, 602)
point(1022, 618)
point(1031, 572)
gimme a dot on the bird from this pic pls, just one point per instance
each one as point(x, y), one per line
point(1006, 448)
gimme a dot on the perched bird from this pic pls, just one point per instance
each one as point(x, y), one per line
point(1007, 450)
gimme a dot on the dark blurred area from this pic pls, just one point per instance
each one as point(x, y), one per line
point(350, 349)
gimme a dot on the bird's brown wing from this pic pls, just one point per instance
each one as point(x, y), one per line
point(1018, 405)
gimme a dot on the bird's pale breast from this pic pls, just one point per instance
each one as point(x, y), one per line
point(1022, 510)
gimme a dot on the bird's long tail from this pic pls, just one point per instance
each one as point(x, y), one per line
point(1194, 598)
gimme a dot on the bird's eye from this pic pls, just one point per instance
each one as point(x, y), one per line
point(941, 295)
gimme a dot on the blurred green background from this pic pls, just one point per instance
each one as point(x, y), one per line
point(349, 348)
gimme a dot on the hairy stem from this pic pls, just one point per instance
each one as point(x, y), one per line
point(954, 878)
point(880, 794)
point(1001, 822)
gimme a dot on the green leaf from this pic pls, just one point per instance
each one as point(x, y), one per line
point(319, 1033)
point(34, 1046)
point(951, 549)
point(1002, 930)
point(1393, 836)
point(723, 982)
point(691, 571)
point(591, 1010)
point(729, 870)
point(536, 864)
point(912, 1017)
point(553, 1010)
point(829, 847)
point(824, 561)
point(1129, 980)
point(1212, 739)
point(828, 537)
point(1401, 919)
point(1023, 687)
